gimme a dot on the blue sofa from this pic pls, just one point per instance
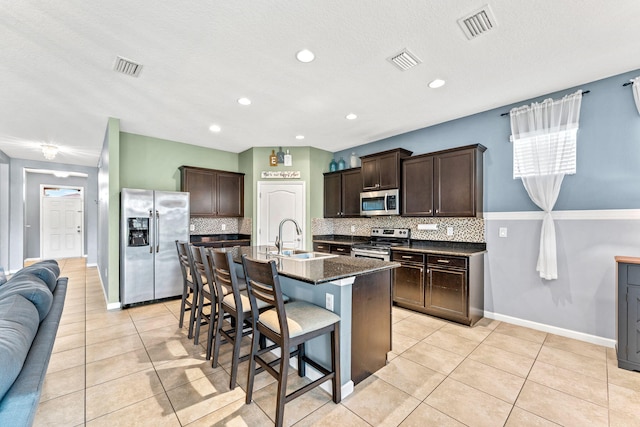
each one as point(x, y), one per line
point(31, 304)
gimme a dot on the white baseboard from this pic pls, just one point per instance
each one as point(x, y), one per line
point(581, 336)
point(114, 306)
point(92, 264)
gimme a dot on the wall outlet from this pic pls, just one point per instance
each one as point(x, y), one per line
point(223, 226)
point(192, 227)
point(449, 231)
point(353, 228)
point(428, 227)
point(329, 301)
point(502, 232)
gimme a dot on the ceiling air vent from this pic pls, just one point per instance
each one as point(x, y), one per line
point(126, 66)
point(404, 60)
point(477, 23)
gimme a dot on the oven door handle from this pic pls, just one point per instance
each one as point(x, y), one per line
point(386, 196)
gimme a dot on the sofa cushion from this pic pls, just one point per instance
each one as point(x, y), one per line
point(31, 288)
point(46, 271)
point(18, 326)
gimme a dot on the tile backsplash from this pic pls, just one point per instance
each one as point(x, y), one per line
point(214, 225)
point(464, 229)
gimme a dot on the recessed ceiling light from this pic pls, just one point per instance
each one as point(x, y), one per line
point(215, 128)
point(244, 101)
point(351, 116)
point(299, 136)
point(305, 55)
point(436, 83)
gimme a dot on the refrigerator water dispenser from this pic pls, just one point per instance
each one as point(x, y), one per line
point(138, 231)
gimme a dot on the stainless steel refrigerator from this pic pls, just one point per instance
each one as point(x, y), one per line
point(151, 222)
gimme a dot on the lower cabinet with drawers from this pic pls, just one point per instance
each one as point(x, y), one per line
point(332, 248)
point(451, 287)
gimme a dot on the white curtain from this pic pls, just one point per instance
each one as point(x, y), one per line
point(636, 91)
point(544, 151)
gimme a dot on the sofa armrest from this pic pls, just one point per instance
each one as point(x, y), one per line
point(19, 405)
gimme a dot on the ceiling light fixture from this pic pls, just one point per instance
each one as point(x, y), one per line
point(244, 101)
point(436, 83)
point(299, 136)
point(215, 128)
point(305, 55)
point(49, 151)
point(351, 116)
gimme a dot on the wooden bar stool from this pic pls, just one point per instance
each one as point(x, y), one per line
point(288, 326)
point(205, 295)
point(189, 299)
point(232, 302)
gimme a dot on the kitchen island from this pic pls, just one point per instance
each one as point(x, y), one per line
point(360, 291)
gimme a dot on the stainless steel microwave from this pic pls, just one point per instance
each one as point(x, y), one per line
point(385, 202)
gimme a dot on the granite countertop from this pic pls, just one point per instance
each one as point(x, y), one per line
point(628, 259)
point(204, 238)
point(340, 239)
point(315, 271)
point(422, 246)
point(444, 248)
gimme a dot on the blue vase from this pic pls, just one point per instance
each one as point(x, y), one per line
point(333, 166)
point(341, 164)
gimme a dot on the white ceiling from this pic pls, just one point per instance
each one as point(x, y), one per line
point(57, 85)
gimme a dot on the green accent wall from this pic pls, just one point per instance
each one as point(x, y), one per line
point(311, 162)
point(152, 163)
point(113, 131)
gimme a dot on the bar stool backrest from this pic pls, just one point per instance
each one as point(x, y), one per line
point(224, 275)
point(263, 283)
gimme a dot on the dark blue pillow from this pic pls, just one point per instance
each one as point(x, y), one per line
point(18, 326)
point(45, 271)
point(31, 288)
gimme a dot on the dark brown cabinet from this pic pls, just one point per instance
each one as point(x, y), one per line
point(446, 183)
point(342, 193)
point(628, 321)
point(408, 286)
point(451, 287)
point(381, 171)
point(332, 248)
point(214, 193)
point(447, 286)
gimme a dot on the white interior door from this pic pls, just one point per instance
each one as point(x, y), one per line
point(277, 201)
point(62, 228)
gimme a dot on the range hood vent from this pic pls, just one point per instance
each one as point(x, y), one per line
point(477, 23)
point(404, 60)
point(126, 66)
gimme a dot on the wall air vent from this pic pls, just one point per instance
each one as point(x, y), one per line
point(477, 23)
point(127, 66)
point(404, 60)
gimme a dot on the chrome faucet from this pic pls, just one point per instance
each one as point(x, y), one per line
point(279, 242)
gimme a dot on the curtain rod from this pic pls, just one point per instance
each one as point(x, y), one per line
point(509, 112)
point(627, 83)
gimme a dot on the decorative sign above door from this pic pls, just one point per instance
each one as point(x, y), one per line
point(280, 174)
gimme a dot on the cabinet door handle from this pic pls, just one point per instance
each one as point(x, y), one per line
point(407, 257)
point(429, 211)
point(340, 249)
point(437, 210)
point(444, 261)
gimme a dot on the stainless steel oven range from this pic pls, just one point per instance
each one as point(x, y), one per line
point(381, 242)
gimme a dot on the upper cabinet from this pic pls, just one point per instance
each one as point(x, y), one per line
point(381, 171)
point(342, 193)
point(446, 183)
point(214, 193)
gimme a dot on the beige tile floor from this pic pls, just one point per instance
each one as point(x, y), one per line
point(136, 367)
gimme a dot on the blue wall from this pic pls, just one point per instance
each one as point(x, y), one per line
point(608, 176)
